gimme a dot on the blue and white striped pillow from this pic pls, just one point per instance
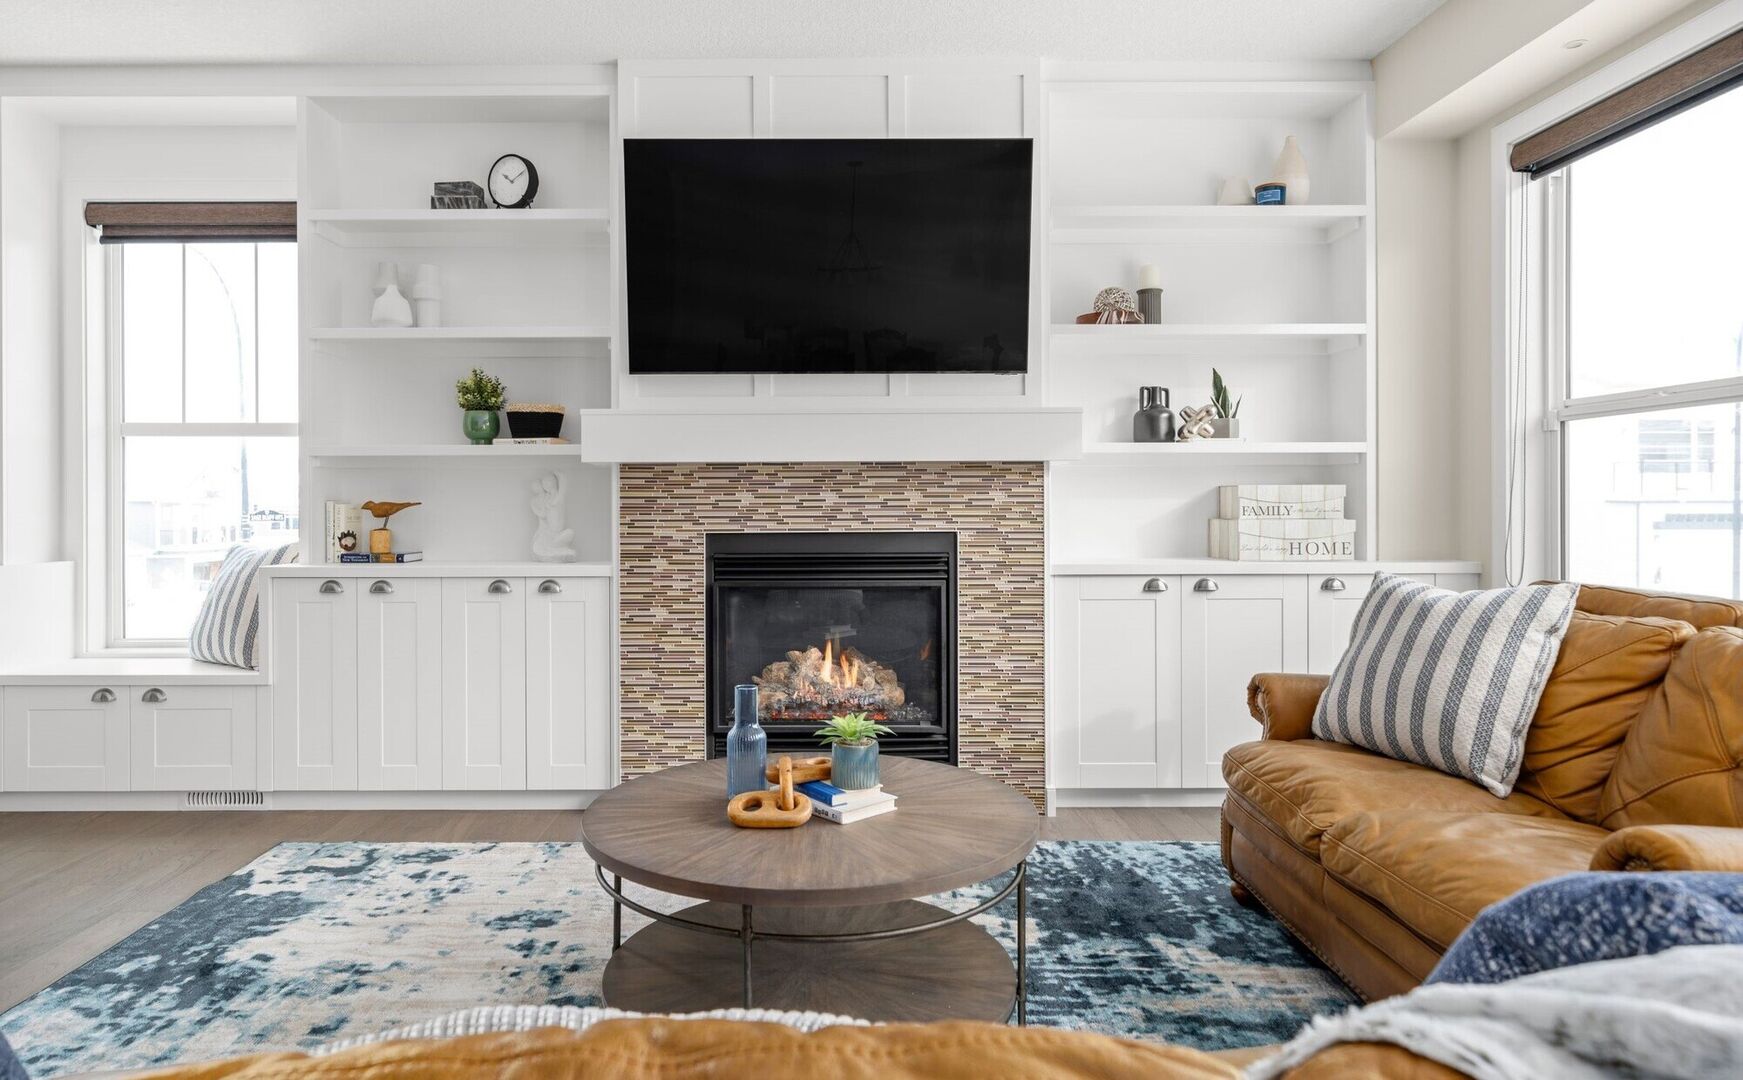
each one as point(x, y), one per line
point(1444, 679)
point(228, 629)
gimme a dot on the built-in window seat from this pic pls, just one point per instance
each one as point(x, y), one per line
point(129, 670)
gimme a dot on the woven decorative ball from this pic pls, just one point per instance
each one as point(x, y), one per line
point(1115, 298)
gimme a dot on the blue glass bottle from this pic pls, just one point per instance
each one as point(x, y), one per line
point(747, 745)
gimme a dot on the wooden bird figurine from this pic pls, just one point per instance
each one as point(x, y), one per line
point(385, 510)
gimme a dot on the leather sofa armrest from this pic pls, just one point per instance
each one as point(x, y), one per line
point(1284, 704)
point(1671, 847)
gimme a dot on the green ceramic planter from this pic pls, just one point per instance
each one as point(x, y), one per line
point(852, 767)
point(482, 426)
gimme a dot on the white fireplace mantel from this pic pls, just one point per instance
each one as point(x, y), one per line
point(839, 434)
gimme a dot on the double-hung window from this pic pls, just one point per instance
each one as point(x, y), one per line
point(1645, 296)
point(202, 422)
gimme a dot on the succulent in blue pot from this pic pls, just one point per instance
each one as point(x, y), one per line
point(853, 749)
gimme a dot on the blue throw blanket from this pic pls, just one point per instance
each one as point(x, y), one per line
point(1581, 918)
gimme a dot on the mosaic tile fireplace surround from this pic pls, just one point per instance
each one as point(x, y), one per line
point(666, 512)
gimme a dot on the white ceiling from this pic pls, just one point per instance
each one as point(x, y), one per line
point(587, 31)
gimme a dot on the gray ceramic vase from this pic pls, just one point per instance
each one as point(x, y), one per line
point(853, 767)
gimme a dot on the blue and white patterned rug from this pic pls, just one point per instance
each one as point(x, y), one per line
point(315, 942)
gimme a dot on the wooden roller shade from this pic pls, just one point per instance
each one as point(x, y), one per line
point(192, 222)
point(1666, 92)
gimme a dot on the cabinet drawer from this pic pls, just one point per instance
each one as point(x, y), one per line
point(192, 737)
point(64, 738)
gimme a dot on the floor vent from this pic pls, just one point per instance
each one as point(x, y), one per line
point(225, 800)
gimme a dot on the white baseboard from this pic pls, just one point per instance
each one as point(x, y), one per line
point(1069, 798)
point(27, 801)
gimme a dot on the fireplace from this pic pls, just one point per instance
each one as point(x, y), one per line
point(831, 623)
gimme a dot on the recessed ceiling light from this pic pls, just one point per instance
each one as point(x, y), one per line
point(1573, 43)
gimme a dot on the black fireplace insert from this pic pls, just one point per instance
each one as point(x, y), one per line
point(832, 623)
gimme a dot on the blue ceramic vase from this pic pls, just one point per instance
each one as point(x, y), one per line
point(747, 745)
point(852, 767)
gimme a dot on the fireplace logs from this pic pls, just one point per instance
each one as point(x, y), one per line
point(817, 683)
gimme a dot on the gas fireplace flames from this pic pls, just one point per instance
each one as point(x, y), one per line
point(815, 684)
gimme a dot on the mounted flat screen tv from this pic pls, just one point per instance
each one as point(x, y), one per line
point(810, 256)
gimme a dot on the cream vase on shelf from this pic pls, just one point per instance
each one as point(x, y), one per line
point(1290, 170)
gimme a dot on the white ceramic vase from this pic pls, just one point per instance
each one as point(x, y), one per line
point(427, 296)
point(1290, 170)
point(1236, 191)
point(391, 309)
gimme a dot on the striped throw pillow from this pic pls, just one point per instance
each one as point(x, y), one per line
point(1444, 679)
point(228, 629)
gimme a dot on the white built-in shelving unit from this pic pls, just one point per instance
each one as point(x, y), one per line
point(528, 295)
point(1279, 299)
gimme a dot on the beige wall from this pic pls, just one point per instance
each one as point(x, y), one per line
point(1437, 423)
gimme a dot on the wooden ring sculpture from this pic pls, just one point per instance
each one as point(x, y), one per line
point(783, 809)
point(811, 768)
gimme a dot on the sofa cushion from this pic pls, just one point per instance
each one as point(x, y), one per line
point(1699, 612)
point(1679, 764)
point(1305, 786)
point(1608, 667)
point(1434, 871)
point(1444, 679)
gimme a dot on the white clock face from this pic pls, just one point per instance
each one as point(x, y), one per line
point(509, 180)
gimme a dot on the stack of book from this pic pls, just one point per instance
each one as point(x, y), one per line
point(845, 807)
point(381, 556)
point(1282, 523)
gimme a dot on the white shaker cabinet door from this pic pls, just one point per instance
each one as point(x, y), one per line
point(193, 738)
point(399, 684)
point(568, 684)
point(1116, 695)
point(65, 738)
point(314, 681)
point(484, 686)
point(1232, 627)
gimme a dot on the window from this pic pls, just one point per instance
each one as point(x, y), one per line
point(202, 440)
point(1651, 294)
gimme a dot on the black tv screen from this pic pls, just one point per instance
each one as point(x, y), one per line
point(827, 255)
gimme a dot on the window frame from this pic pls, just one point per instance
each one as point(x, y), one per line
point(1526, 517)
point(117, 429)
point(1562, 408)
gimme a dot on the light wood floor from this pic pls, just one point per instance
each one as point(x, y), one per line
point(71, 885)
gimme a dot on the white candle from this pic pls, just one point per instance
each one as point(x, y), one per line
point(1149, 277)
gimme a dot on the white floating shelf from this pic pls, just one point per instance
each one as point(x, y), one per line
point(467, 340)
point(1114, 224)
point(448, 452)
point(1107, 337)
point(1129, 453)
point(413, 228)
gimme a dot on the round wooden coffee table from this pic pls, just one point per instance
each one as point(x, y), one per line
point(822, 917)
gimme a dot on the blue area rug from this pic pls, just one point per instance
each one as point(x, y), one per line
point(316, 942)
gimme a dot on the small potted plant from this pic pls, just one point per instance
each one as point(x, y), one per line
point(853, 750)
point(1225, 423)
point(481, 395)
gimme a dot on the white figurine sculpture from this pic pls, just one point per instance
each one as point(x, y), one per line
point(551, 541)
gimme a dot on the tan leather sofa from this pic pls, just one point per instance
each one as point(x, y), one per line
point(1631, 763)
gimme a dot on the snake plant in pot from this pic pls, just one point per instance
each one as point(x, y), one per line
point(853, 750)
point(1227, 407)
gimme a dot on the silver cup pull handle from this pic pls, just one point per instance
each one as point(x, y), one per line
point(331, 588)
point(499, 587)
point(1205, 584)
point(549, 587)
point(382, 588)
point(1333, 584)
point(1155, 584)
point(103, 696)
point(154, 696)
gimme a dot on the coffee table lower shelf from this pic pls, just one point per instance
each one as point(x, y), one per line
point(879, 961)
